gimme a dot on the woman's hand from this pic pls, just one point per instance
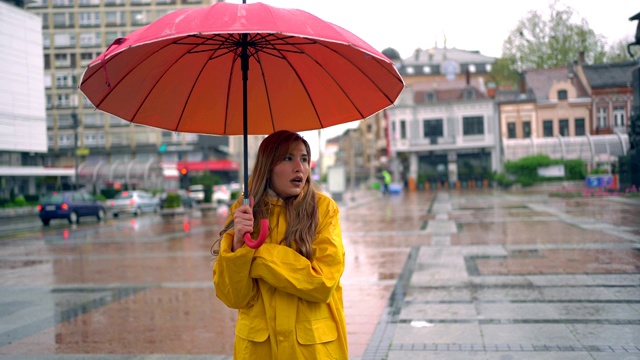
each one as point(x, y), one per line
point(243, 223)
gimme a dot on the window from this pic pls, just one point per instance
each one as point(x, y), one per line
point(65, 140)
point(403, 129)
point(63, 100)
point(562, 95)
point(141, 17)
point(90, 39)
point(472, 68)
point(526, 129)
point(564, 127)
point(602, 117)
point(61, 20)
point(511, 130)
point(111, 36)
point(89, 139)
point(62, 3)
point(85, 58)
point(62, 60)
point(432, 128)
point(579, 125)
point(469, 94)
point(547, 128)
point(86, 18)
point(93, 119)
point(426, 69)
point(114, 18)
point(618, 116)
point(473, 125)
point(89, 2)
point(430, 97)
point(64, 40)
point(487, 67)
point(63, 80)
point(46, 41)
point(410, 70)
point(45, 20)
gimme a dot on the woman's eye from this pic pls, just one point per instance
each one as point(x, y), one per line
point(288, 158)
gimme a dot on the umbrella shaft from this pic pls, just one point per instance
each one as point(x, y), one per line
point(244, 66)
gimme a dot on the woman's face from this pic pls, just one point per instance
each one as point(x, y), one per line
point(290, 175)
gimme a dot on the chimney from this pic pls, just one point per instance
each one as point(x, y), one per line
point(581, 57)
point(523, 84)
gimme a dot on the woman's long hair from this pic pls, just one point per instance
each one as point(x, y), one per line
point(301, 211)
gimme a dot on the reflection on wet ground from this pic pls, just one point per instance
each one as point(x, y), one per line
point(143, 285)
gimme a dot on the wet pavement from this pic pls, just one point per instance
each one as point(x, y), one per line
point(437, 275)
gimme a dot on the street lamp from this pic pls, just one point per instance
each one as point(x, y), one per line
point(74, 118)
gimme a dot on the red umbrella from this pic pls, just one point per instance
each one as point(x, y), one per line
point(240, 69)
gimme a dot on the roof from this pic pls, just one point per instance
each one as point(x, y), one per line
point(434, 56)
point(448, 90)
point(610, 75)
point(540, 81)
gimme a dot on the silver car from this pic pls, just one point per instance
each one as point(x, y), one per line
point(133, 202)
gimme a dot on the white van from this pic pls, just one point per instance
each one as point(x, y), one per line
point(196, 193)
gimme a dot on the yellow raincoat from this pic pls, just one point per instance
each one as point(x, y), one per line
point(288, 307)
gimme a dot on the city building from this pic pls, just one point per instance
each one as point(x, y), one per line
point(104, 149)
point(571, 112)
point(443, 128)
point(23, 139)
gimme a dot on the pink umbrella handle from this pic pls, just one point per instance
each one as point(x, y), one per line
point(264, 231)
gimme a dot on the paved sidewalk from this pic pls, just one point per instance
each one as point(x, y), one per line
point(507, 276)
point(429, 275)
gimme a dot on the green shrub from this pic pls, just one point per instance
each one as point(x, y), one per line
point(20, 201)
point(525, 170)
point(173, 201)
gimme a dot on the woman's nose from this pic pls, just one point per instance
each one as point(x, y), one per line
point(297, 166)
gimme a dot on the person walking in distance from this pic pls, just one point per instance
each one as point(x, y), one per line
point(386, 181)
point(287, 291)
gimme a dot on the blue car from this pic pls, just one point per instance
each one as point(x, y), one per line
point(70, 205)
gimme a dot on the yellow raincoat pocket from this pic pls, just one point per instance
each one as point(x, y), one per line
point(252, 329)
point(316, 331)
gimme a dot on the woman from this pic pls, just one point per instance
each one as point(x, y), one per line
point(287, 291)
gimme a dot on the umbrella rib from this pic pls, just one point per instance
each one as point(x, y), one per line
point(264, 80)
point(159, 78)
point(356, 67)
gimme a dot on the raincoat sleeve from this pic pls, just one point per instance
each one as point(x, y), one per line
point(231, 277)
point(286, 270)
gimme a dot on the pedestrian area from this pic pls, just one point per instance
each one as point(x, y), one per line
point(518, 277)
point(429, 275)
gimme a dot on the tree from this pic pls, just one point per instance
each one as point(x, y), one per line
point(617, 52)
point(503, 73)
point(539, 43)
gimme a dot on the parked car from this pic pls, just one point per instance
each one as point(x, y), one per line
point(70, 205)
point(187, 202)
point(196, 192)
point(222, 193)
point(133, 202)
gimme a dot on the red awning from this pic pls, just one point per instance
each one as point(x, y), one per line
point(209, 165)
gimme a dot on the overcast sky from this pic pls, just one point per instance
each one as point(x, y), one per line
point(467, 24)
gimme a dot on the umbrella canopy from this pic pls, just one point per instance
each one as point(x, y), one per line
point(183, 72)
point(231, 69)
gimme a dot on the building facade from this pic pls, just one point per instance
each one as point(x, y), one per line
point(573, 112)
point(23, 139)
point(100, 145)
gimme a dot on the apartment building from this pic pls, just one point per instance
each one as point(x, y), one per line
point(103, 147)
point(443, 128)
point(571, 112)
point(23, 139)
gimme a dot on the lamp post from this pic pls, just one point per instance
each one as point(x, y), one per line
point(74, 118)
